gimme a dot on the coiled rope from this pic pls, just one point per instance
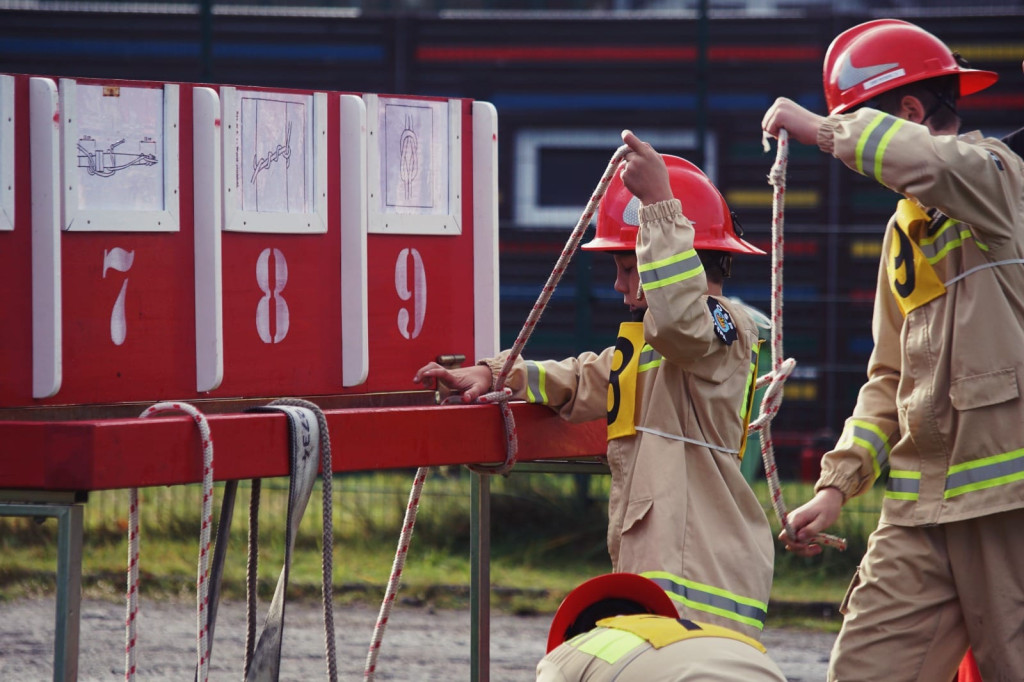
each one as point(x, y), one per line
point(781, 369)
point(499, 394)
point(203, 571)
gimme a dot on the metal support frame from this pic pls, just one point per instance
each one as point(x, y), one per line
point(67, 509)
point(480, 554)
point(480, 578)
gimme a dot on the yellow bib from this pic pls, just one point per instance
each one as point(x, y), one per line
point(661, 630)
point(622, 380)
point(911, 277)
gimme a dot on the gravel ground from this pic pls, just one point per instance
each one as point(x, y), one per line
point(420, 644)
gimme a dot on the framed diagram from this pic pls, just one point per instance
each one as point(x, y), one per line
point(120, 157)
point(414, 162)
point(275, 161)
point(6, 152)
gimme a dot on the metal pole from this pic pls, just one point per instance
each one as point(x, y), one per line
point(69, 579)
point(206, 39)
point(480, 578)
point(702, 82)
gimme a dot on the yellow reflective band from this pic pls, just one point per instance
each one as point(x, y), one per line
point(649, 358)
point(711, 599)
point(903, 485)
point(882, 146)
point(536, 383)
point(610, 645)
point(988, 472)
point(863, 141)
point(660, 631)
point(677, 268)
point(946, 239)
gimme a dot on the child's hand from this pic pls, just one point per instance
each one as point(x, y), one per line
point(471, 382)
point(643, 171)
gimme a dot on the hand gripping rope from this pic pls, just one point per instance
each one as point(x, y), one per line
point(203, 573)
point(781, 369)
point(499, 394)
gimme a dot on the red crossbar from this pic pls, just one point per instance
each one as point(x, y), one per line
point(124, 453)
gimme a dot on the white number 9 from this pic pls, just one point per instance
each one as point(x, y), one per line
point(417, 293)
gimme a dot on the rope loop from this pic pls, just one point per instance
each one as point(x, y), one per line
point(781, 368)
point(203, 569)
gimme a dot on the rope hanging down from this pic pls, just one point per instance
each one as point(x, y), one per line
point(203, 571)
point(262, 657)
point(499, 394)
point(781, 369)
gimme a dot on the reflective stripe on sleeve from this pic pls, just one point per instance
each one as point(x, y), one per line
point(871, 438)
point(711, 599)
point(536, 376)
point(649, 358)
point(677, 268)
point(873, 142)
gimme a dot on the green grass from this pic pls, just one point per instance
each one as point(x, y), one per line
point(548, 533)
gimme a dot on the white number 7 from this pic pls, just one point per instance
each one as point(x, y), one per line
point(120, 260)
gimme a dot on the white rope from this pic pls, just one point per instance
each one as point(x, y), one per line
point(781, 369)
point(203, 570)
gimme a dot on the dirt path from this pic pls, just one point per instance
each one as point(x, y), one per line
point(420, 644)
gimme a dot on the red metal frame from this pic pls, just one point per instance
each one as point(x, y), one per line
point(165, 450)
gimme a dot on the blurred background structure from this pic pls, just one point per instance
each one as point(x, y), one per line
point(566, 76)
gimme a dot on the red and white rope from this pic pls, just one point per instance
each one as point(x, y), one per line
point(499, 393)
point(396, 573)
point(781, 369)
point(203, 570)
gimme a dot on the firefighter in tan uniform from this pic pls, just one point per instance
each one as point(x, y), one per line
point(942, 407)
point(622, 626)
point(676, 390)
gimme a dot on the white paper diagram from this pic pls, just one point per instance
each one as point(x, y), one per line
point(275, 152)
point(119, 145)
point(414, 157)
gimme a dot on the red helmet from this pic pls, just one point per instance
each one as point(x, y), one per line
point(618, 217)
point(625, 586)
point(880, 55)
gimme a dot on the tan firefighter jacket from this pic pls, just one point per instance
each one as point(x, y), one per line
point(942, 407)
point(675, 390)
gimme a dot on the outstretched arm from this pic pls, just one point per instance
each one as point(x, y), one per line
point(801, 124)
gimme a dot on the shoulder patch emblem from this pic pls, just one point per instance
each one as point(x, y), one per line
point(725, 328)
